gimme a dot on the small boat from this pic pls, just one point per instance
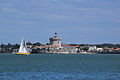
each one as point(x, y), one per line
point(23, 50)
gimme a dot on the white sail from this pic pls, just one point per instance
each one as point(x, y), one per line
point(23, 47)
point(26, 49)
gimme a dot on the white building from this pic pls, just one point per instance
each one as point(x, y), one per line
point(99, 49)
point(92, 48)
point(55, 41)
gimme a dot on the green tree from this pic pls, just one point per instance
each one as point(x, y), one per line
point(16, 46)
point(28, 43)
point(36, 44)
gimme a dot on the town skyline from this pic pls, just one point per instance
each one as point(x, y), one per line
point(75, 21)
point(55, 46)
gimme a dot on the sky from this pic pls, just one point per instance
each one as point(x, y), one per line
point(75, 21)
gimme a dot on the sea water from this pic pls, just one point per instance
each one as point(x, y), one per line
point(60, 67)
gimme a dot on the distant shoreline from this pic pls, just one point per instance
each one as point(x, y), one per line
point(74, 53)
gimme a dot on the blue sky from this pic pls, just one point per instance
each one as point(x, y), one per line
point(76, 21)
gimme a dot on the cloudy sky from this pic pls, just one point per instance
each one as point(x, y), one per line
point(76, 21)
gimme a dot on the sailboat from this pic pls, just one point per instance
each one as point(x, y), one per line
point(23, 50)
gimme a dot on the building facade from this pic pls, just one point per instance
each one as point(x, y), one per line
point(55, 40)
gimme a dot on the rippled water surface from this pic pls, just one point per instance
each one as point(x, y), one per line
point(59, 67)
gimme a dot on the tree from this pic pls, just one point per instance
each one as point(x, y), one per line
point(36, 44)
point(9, 45)
point(47, 44)
point(2, 46)
point(28, 43)
point(16, 46)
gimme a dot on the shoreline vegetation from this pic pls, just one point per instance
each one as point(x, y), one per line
point(38, 48)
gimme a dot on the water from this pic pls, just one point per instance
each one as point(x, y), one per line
point(59, 67)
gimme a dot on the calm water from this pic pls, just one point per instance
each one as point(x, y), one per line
point(59, 67)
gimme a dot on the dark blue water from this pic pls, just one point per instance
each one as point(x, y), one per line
point(59, 67)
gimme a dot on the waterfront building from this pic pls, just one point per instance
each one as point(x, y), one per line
point(99, 49)
point(55, 40)
point(92, 48)
point(55, 46)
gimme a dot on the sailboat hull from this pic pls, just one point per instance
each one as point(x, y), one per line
point(22, 53)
